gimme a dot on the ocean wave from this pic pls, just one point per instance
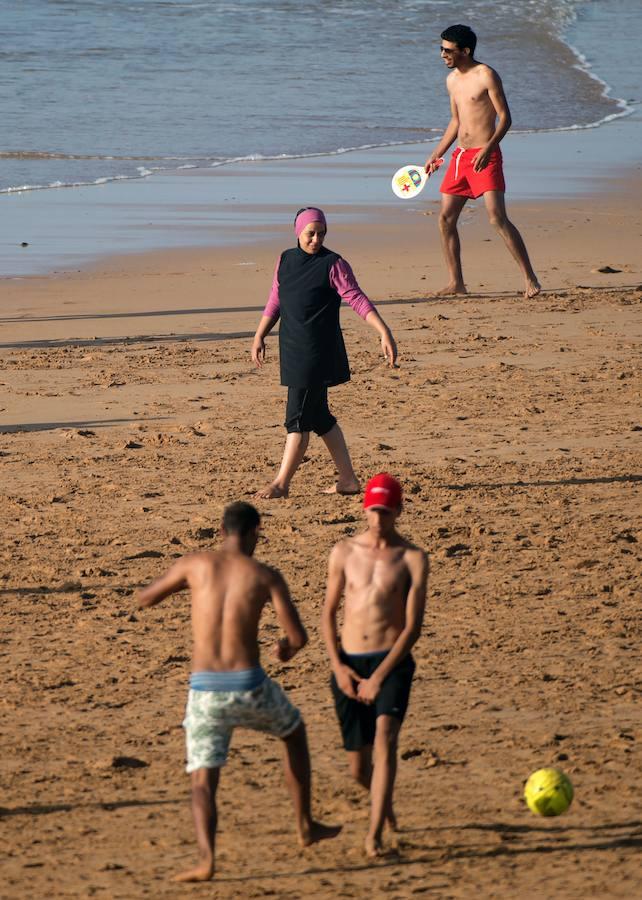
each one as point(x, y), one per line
point(55, 154)
point(106, 179)
point(199, 162)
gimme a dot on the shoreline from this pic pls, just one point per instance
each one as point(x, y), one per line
point(240, 204)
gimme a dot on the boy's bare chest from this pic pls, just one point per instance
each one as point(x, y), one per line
point(384, 573)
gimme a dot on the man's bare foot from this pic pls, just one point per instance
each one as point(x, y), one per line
point(348, 487)
point(533, 287)
point(452, 289)
point(272, 492)
point(203, 872)
point(373, 847)
point(315, 832)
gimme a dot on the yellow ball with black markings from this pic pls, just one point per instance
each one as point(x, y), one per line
point(548, 792)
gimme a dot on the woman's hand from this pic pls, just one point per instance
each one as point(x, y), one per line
point(258, 351)
point(389, 348)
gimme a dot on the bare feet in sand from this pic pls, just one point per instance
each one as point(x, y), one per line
point(352, 487)
point(452, 289)
point(203, 872)
point(373, 847)
point(533, 287)
point(315, 832)
point(272, 492)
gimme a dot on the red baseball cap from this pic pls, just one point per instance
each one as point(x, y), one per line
point(382, 491)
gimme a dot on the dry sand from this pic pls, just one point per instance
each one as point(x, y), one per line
point(131, 415)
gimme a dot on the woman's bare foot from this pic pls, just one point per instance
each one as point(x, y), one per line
point(315, 832)
point(373, 847)
point(348, 487)
point(203, 872)
point(533, 287)
point(272, 492)
point(452, 288)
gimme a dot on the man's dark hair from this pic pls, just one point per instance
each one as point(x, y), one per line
point(240, 518)
point(461, 35)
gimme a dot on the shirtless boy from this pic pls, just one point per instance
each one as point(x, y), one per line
point(479, 120)
point(228, 687)
point(383, 579)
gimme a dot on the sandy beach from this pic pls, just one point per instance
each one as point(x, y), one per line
point(131, 415)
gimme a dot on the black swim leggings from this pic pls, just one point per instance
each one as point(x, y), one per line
point(307, 410)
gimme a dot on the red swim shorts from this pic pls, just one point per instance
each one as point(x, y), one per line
point(462, 180)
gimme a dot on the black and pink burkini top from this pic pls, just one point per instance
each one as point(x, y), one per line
point(307, 291)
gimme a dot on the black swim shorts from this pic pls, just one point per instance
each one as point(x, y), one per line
point(358, 721)
point(307, 410)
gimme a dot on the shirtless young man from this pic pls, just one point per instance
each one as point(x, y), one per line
point(383, 578)
point(228, 687)
point(479, 120)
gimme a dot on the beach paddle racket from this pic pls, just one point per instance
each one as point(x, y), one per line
point(409, 181)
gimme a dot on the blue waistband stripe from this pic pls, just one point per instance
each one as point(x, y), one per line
point(241, 680)
point(376, 654)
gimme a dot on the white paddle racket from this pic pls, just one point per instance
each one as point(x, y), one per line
point(409, 181)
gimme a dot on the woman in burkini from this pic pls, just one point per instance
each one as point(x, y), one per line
point(309, 284)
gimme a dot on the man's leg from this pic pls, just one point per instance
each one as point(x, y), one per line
point(496, 209)
point(347, 481)
point(296, 765)
point(451, 207)
point(383, 780)
point(296, 443)
point(204, 785)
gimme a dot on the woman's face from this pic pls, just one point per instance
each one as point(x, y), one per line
point(312, 237)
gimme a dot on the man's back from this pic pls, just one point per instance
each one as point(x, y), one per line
point(229, 591)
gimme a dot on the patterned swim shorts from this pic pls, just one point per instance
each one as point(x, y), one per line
point(212, 716)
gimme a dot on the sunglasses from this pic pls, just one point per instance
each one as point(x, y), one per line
point(448, 51)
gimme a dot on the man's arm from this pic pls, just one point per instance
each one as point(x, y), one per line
point(286, 613)
point(417, 562)
point(448, 138)
point(174, 580)
point(493, 84)
point(346, 678)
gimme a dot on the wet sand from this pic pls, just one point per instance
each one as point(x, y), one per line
point(131, 415)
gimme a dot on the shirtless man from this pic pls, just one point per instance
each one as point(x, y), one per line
point(383, 578)
point(228, 687)
point(479, 120)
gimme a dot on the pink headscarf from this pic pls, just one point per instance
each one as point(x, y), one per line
point(313, 214)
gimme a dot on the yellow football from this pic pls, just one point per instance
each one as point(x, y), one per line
point(548, 792)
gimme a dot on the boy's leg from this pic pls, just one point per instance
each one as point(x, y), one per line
point(204, 785)
point(296, 765)
point(360, 762)
point(383, 780)
point(496, 209)
point(296, 443)
point(451, 207)
point(347, 481)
